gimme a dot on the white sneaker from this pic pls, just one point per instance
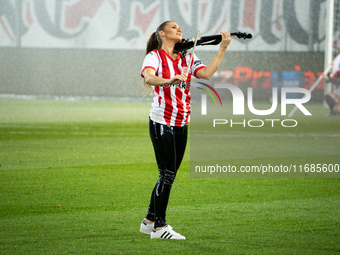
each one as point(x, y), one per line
point(146, 228)
point(166, 233)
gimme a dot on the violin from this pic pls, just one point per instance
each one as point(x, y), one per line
point(207, 40)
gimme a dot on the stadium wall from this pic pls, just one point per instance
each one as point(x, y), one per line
point(96, 47)
point(116, 73)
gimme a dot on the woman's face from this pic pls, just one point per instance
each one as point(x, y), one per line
point(172, 31)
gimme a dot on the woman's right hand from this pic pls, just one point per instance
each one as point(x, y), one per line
point(325, 76)
point(178, 78)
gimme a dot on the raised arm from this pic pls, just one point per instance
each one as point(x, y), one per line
point(208, 72)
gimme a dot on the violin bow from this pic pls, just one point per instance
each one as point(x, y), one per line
point(193, 51)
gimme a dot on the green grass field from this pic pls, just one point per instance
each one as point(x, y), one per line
point(76, 178)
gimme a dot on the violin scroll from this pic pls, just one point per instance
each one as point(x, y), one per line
point(241, 35)
point(207, 40)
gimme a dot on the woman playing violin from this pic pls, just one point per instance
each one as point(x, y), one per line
point(164, 71)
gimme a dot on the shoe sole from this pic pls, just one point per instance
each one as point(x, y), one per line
point(145, 232)
point(167, 235)
point(168, 238)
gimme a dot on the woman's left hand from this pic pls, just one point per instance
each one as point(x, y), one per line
point(226, 38)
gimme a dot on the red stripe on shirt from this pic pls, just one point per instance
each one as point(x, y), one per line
point(179, 93)
point(180, 107)
point(188, 106)
point(168, 105)
point(167, 90)
point(188, 96)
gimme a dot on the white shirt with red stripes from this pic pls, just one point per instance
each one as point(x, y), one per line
point(172, 103)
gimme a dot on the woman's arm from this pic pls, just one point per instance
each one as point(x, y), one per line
point(151, 78)
point(331, 80)
point(334, 81)
point(208, 72)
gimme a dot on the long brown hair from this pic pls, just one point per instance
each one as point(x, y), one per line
point(154, 42)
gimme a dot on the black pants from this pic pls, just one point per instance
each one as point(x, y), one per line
point(169, 144)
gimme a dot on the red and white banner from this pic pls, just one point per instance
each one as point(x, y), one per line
point(276, 25)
